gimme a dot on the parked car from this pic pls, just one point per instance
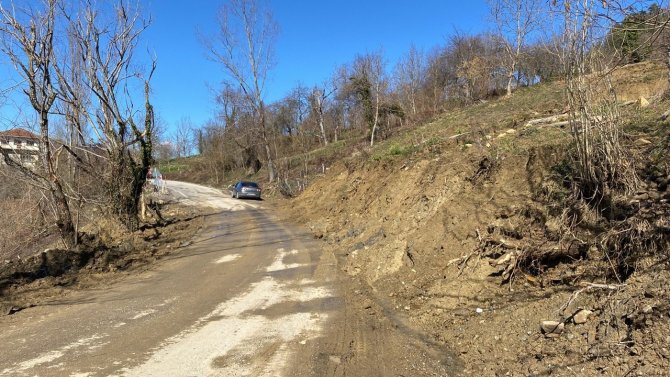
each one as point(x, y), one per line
point(245, 189)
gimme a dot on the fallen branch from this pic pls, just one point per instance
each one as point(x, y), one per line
point(505, 244)
point(547, 120)
point(588, 286)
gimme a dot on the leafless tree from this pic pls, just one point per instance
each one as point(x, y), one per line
point(409, 75)
point(28, 41)
point(515, 20)
point(318, 100)
point(108, 47)
point(244, 47)
point(183, 137)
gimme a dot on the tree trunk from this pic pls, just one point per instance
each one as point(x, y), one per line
point(63, 215)
point(266, 141)
point(319, 100)
point(510, 79)
point(376, 116)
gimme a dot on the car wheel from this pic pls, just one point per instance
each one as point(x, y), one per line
point(237, 195)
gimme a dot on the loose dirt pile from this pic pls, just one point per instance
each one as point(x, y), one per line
point(478, 245)
point(107, 252)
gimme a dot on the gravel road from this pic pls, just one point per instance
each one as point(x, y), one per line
point(243, 299)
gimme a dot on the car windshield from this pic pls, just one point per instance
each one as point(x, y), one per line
point(249, 184)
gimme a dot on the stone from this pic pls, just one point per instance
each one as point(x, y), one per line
point(643, 102)
point(647, 309)
point(581, 316)
point(552, 329)
point(511, 131)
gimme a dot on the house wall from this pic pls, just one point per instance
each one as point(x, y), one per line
point(24, 150)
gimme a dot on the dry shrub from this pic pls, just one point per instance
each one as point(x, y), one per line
point(645, 234)
point(21, 226)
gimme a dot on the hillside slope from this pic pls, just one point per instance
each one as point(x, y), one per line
point(428, 219)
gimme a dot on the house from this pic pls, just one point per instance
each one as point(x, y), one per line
point(21, 146)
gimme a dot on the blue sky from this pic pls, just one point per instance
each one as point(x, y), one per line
point(316, 37)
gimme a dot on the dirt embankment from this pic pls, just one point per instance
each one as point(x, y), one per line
point(477, 249)
point(107, 251)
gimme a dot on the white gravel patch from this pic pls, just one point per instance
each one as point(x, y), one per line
point(279, 265)
point(48, 357)
point(226, 341)
point(143, 314)
point(228, 258)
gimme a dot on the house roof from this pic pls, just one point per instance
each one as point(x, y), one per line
point(18, 132)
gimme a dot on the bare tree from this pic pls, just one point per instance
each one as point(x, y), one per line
point(28, 41)
point(183, 137)
point(318, 101)
point(244, 47)
point(409, 75)
point(108, 49)
point(515, 20)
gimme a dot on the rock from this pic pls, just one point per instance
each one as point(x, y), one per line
point(581, 316)
point(647, 309)
point(643, 102)
point(468, 145)
point(552, 329)
point(479, 310)
point(511, 131)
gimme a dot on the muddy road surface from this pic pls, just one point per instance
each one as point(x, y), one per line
point(248, 296)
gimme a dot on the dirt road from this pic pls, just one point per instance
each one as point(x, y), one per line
point(243, 297)
point(250, 296)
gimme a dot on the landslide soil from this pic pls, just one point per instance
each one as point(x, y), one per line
point(107, 252)
point(421, 227)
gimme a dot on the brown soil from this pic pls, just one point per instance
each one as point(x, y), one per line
point(106, 253)
point(430, 235)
